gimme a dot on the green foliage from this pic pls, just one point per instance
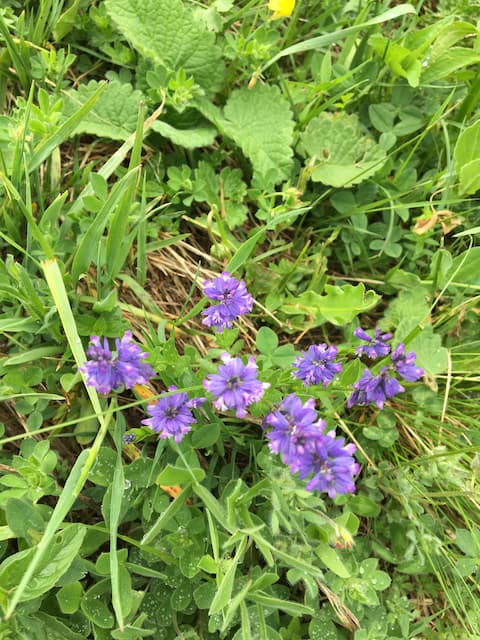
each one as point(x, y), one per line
point(259, 120)
point(115, 113)
point(169, 34)
point(467, 159)
point(341, 154)
point(339, 305)
point(327, 158)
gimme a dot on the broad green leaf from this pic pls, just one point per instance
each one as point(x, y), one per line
point(200, 136)
point(450, 61)
point(465, 268)
point(69, 596)
point(260, 121)
point(468, 542)
point(469, 177)
point(267, 340)
point(114, 114)
point(51, 567)
point(24, 519)
point(103, 468)
point(95, 607)
point(206, 435)
point(41, 626)
point(431, 356)
point(343, 154)
point(176, 475)
point(331, 560)
point(467, 159)
point(339, 305)
point(167, 32)
point(401, 61)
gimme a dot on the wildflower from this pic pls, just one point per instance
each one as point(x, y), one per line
point(107, 372)
point(332, 464)
point(377, 347)
point(293, 425)
point(317, 366)
point(235, 385)
point(375, 389)
point(129, 438)
point(405, 364)
point(281, 8)
point(233, 298)
point(171, 415)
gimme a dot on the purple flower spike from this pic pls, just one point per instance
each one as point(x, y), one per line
point(235, 386)
point(317, 366)
point(233, 301)
point(332, 464)
point(171, 415)
point(107, 372)
point(293, 426)
point(405, 364)
point(375, 389)
point(377, 347)
point(129, 368)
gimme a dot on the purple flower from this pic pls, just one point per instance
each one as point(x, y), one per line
point(405, 364)
point(375, 389)
point(293, 425)
point(235, 386)
point(316, 366)
point(332, 464)
point(107, 372)
point(171, 415)
point(376, 347)
point(233, 301)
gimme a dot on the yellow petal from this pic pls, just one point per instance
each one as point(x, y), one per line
point(281, 8)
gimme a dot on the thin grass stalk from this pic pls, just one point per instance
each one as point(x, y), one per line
point(85, 461)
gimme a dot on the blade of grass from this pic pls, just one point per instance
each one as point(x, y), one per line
point(117, 246)
point(118, 485)
point(335, 36)
point(79, 473)
point(116, 160)
point(91, 240)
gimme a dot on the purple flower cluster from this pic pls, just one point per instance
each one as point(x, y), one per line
point(298, 435)
point(317, 366)
point(377, 389)
point(235, 385)
point(233, 301)
point(108, 372)
point(293, 429)
point(376, 347)
point(171, 415)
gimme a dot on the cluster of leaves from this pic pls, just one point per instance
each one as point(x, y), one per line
point(338, 146)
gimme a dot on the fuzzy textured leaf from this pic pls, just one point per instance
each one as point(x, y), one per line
point(201, 136)
point(344, 155)
point(260, 122)
point(169, 34)
point(113, 116)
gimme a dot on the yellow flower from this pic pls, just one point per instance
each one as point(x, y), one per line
point(281, 8)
